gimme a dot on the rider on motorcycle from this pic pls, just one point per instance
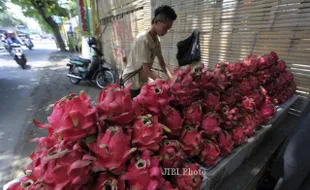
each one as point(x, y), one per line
point(11, 40)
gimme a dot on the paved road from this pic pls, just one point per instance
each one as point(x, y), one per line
point(28, 94)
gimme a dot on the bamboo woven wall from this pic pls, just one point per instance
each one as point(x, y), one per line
point(232, 29)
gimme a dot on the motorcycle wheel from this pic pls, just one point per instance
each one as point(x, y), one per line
point(104, 78)
point(73, 80)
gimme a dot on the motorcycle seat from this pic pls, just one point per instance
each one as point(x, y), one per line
point(79, 59)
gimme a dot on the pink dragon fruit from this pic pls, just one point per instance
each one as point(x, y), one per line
point(250, 64)
point(191, 178)
point(268, 110)
point(193, 114)
point(248, 103)
point(207, 80)
point(229, 96)
point(144, 173)
point(172, 119)
point(270, 87)
point(66, 168)
point(225, 142)
point(191, 140)
point(264, 62)
point(112, 150)
point(281, 66)
point(154, 97)
point(211, 124)
point(289, 76)
point(239, 135)
point(148, 133)
point(115, 105)
point(236, 70)
point(264, 76)
point(253, 81)
point(72, 118)
point(250, 123)
point(27, 183)
point(170, 154)
point(221, 77)
point(230, 116)
point(274, 57)
point(212, 101)
point(106, 181)
point(245, 87)
point(258, 98)
point(167, 186)
point(210, 153)
point(183, 87)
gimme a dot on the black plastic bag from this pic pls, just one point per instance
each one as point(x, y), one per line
point(189, 49)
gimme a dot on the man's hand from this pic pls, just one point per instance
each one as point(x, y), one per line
point(147, 72)
point(163, 66)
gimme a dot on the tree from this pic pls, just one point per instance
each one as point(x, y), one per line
point(43, 11)
point(8, 20)
point(2, 6)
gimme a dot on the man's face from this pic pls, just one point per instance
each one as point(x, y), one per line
point(162, 27)
point(12, 35)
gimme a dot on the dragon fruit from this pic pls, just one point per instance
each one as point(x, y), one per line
point(274, 57)
point(225, 142)
point(268, 110)
point(65, 168)
point(27, 183)
point(154, 97)
point(250, 64)
point(211, 124)
point(236, 70)
point(170, 154)
point(270, 87)
point(250, 122)
point(264, 62)
point(106, 181)
point(193, 114)
point(221, 77)
point(289, 76)
point(281, 66)
point(72, 118)
point(248, 103)
point(258, 98)
point(207, 81)
point(112, 150)
point(210, 153)
point(239, 135)
point(172, 119)
point(264, 76)
point(183, 87)
point(212, 101)
point(229, 96)
point(245, 87)
point(191, 178)
point(144, 173)
point(115, 105)
point(147, 133)
point(253, 81)
point(167, 186)
point(191, 140)
point(230, 116)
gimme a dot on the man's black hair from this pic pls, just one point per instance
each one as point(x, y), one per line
point(164, 12)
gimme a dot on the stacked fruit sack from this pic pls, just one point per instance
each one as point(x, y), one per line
point(123, 144)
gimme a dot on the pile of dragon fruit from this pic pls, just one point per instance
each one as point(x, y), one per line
point(120, 143)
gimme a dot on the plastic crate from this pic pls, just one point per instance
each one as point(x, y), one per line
point(225, 166)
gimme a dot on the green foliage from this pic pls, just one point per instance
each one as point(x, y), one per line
point(2, 6)
point(8, 20)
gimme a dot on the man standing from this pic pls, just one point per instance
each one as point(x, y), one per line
point(145, 48)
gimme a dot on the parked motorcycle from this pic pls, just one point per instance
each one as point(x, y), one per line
point(19, 56)
point(96, 69)
point(28, 43)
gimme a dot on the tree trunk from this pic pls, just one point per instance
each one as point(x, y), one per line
point(60, 42)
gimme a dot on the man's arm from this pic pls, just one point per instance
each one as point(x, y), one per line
point(163, 66)
point(147, 72)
